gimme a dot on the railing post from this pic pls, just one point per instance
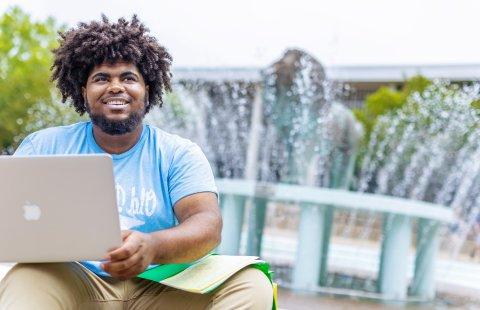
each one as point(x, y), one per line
point(423, 284)
point(343, 166)
point(256, 223)
point(325, 240)
point(233, 209)
point(306, 273)
point(392, 278)
point(258, 206)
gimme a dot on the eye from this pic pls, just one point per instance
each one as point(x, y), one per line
point(99, 78)
point(130, 78)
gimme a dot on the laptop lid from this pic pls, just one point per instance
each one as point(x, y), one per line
point(57, 208)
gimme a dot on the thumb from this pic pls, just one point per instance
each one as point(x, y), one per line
point(125, 234)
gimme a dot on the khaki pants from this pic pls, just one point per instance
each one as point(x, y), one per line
point(72, 286)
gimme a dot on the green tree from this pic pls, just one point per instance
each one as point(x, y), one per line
point(28, 99)
point(386, 99)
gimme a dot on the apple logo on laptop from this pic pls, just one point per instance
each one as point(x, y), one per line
point(31, 212)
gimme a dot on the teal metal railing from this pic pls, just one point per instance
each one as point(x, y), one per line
point(315, 203)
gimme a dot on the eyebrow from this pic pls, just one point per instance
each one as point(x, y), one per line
point(128, 73)
point(104, 74)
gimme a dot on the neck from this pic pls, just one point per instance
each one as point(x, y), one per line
point(117, 144)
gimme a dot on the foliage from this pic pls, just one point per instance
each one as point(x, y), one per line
point(28, 101)
point(386, 99)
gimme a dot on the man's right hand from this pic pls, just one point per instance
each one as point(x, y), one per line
point(132, 258)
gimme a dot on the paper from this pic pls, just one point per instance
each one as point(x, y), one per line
point(209, 272)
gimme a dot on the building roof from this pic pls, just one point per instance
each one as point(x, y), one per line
point(344, 73)
point(217, 74)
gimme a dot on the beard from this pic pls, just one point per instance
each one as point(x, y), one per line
point(116, 128)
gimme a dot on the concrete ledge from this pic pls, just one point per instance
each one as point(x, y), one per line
point(336, 197)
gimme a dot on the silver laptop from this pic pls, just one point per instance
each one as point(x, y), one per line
point(57, 208)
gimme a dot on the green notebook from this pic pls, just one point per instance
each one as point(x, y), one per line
point(206, 274)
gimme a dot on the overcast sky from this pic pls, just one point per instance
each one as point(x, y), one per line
point(211, 33)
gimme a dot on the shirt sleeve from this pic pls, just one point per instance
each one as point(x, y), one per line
point(25, 148)
point(190, 173)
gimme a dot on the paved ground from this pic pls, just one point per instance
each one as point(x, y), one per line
point(307, 301)
point(299, 301)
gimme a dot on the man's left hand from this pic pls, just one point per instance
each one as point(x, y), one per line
point(132, 258)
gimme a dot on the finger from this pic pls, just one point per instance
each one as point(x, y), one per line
point(124, 252)
point(106, 257)
point(130, 247)
point(123, 277)
point(130, 273)
point(124, 235)
point(119, 267)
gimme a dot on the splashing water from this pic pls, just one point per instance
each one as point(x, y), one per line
point(429, 150)
point(214, 114)
point(299, 129)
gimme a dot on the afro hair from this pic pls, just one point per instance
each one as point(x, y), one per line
point(91, 44)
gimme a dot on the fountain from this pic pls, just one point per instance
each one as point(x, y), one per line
point(281, 136)
point(427, 151)
point(307, 138)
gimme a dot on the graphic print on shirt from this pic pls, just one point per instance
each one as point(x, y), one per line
point(135, 205)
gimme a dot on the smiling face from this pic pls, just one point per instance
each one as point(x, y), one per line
point(116, 97)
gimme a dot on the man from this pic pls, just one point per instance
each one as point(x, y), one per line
point(116, 73)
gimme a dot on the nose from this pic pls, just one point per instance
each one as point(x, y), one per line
point(115, 86)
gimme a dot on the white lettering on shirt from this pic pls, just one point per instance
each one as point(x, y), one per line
point(120, 197)
point(143, 202)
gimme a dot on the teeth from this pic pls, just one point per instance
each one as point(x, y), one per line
point(116, 102)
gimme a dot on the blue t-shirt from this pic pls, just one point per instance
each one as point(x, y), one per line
point(150, 178)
